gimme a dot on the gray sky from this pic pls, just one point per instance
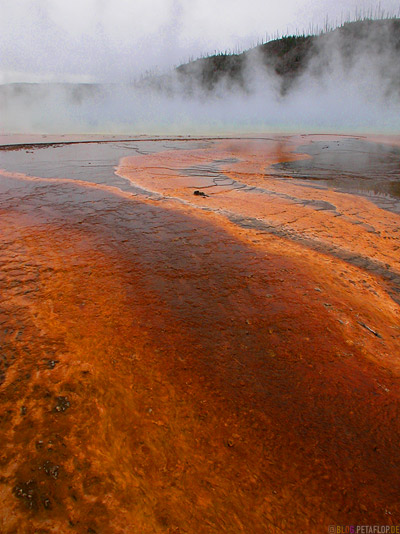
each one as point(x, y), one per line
point(116, 40)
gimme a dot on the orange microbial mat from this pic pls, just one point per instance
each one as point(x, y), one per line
point(199, 335)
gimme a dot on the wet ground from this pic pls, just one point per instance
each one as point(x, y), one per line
point(351, 165)
point(199, 335)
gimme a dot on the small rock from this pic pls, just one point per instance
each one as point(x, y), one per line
point(51, 469)
point(27, 492)
point(62, 404)
point(46, 503)
point(199, 193)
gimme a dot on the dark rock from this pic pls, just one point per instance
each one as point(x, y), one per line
point(62, 404)
point(50, 469)
point(27, 492)
point(46, 502)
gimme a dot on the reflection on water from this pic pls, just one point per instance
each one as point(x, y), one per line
point(92, 162)
point(351, 165)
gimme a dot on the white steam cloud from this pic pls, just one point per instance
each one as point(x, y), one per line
point(351, 82)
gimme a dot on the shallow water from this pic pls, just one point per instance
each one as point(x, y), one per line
point(178, 363)
point(351, 165)
point(92, 162)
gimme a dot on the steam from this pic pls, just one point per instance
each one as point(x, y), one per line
point(350, 82)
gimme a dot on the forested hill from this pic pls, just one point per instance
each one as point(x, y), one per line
point(289, 57)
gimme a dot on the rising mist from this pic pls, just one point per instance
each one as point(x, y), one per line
point(344, 80)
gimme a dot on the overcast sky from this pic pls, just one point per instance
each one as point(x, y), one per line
point(116, 40)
